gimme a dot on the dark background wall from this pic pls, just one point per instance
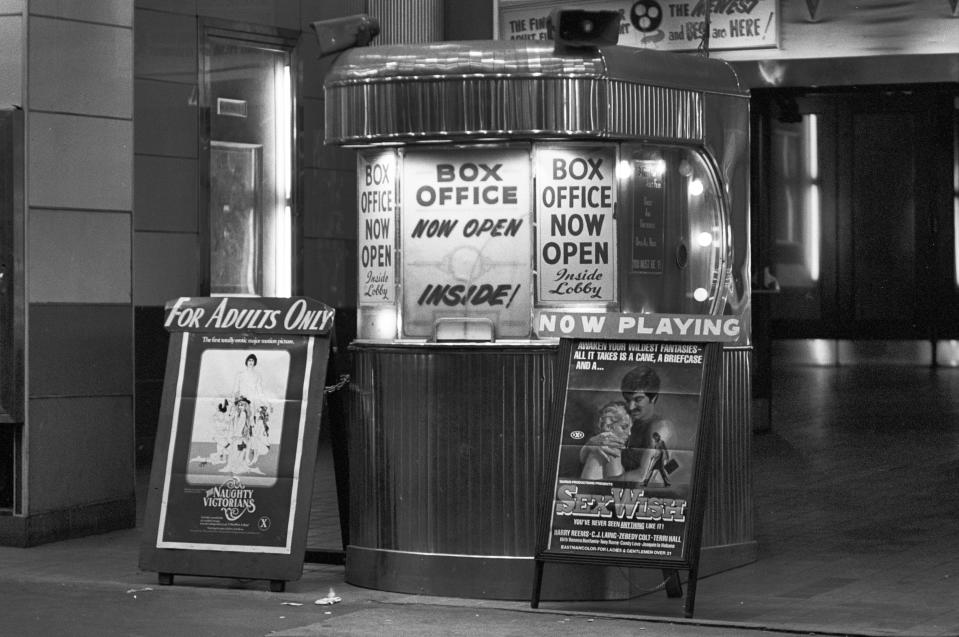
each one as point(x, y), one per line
point(169, 207)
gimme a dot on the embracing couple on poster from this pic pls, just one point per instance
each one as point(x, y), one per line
point(627, 431)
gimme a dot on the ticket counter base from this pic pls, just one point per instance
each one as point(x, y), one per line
point(511, 578)
point(446, 451)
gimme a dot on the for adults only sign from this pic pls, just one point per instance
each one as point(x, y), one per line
point(239, 420)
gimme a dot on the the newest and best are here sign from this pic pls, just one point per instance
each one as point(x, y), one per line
point(660, 24)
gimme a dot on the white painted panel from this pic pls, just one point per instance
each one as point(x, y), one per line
point(11, 60)
point(118, 12)
point(77, 67)
point(80, 162)
point(78, 257)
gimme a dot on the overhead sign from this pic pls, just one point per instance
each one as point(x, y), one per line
point(575, 237)
point(466, 238)
point(661, 25)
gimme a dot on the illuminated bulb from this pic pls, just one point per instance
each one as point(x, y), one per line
point(624, 170)
point(705, 239)
point(700, 294)
point(696, 187)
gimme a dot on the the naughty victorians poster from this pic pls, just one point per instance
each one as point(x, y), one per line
point(240, 422)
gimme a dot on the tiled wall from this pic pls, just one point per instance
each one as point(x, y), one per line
point(113, 225)
point(11, 53)
point(76, 87)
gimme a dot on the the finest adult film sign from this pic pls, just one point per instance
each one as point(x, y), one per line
point(466, 237)
point(575, 199)
point(626, 468)
point(675, 25)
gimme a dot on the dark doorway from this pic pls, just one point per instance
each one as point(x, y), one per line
point(853, 212)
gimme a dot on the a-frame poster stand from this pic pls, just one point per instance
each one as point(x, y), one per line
point(232, 476)
point(630, 429)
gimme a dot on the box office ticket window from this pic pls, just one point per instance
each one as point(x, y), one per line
point(674, 235)
point(466, 240)
point(448, 235)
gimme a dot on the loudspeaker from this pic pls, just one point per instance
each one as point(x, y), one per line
point(577, 28)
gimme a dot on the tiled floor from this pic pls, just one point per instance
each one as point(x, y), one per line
point(857, 508)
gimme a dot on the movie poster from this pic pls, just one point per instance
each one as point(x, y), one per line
point(627, 457)
point(236, 443)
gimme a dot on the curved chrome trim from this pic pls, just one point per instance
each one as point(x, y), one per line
point(459, 555)
point(477, 90)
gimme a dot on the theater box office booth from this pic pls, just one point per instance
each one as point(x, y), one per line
point(497, 180)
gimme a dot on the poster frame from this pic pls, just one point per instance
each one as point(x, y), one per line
point(278, 565)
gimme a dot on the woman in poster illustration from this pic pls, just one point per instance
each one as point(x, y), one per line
point(248, 384)
point(640, 389)
point(613, 426)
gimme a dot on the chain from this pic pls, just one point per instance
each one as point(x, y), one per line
point(344, 379)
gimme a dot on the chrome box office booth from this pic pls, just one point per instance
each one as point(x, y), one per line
point(497, 179)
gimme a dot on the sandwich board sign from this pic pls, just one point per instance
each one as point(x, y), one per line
point(232, 475)
point(628, 440)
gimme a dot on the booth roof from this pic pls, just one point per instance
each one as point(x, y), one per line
point(522, 59)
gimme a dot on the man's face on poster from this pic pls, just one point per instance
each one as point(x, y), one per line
point(640, 407)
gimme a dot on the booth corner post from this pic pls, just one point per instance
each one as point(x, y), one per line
point(490, 192)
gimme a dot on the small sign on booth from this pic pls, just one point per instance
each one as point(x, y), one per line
point(636, 400)
point(232, 474)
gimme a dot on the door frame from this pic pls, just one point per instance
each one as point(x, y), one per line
point(267, 38)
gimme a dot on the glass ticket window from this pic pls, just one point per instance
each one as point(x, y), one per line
point(465, 242)
point(674, 235)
